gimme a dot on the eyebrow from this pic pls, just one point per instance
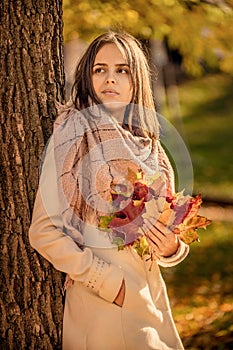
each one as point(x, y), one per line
point(117, 65)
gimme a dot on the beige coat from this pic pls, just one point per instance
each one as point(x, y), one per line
point(91, 320)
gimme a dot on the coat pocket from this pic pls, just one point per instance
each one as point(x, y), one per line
point(102, 320)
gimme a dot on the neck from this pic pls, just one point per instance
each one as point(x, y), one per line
point(117, 110)
point(119, 116)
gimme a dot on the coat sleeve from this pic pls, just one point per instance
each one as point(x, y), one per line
point(176, 258)
point(46, 235)
point(183, 249)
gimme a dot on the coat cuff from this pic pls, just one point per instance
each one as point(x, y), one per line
point(176, 258)
point(104, 279)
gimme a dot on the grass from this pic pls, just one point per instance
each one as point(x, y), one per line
point(200, 291)
point(200, 288)
point(207, 125)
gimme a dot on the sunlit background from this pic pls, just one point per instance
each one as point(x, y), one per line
point(190, 48)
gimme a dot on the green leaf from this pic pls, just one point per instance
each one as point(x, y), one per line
point(105, 220)
point(141, 246)
point(119, 242)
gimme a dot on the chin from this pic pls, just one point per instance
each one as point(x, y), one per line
point(114, 106)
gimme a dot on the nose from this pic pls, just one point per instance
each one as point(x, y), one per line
point(110, 78)
point(110, 81)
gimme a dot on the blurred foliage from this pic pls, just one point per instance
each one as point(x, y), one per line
point(200, 30)
point(200, 290)
point(207, 125)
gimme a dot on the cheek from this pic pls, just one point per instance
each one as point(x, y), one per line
point(95, 84)
point(130, 87)
point(130, 92)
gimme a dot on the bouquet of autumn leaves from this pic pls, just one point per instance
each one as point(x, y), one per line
point(139, 197)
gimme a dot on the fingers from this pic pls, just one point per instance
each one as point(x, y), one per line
point(161, 239)
point(157, 227)
point(154, 234)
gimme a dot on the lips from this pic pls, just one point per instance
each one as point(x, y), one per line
point(110, 92)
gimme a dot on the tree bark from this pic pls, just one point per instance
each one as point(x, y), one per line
point(31, 79)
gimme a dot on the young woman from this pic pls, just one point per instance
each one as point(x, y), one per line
point(113, 299)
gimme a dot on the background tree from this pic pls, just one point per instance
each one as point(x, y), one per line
point(31, 78)
point(200, 30)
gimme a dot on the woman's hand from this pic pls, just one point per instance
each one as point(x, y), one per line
point(162, 240)
point(121, 295)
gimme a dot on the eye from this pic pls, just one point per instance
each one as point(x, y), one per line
point(123, 70)
point(98, 70)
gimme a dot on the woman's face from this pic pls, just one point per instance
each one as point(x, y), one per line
point(111, 79)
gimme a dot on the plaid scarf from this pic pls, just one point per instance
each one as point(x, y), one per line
point(92, 151)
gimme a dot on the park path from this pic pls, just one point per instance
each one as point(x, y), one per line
point(217, 212)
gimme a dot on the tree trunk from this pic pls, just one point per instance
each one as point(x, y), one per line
point(31, 79)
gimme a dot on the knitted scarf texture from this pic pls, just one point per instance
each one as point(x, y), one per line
point(92, 152)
